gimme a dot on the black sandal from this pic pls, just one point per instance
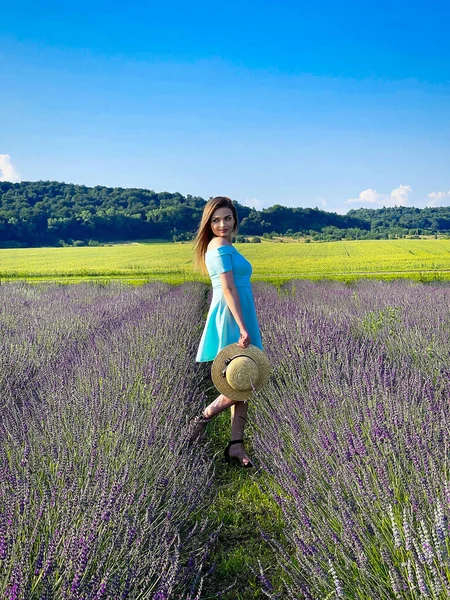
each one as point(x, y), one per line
point(229, 458)
point(200, 424)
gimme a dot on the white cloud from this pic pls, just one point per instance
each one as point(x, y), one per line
point(399, 196)
point(369, 197)
point(7, 170)
point(321, 202)
point(438, 199)
point(253, 203)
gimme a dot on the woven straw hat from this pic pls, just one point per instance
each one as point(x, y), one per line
point(239, 372)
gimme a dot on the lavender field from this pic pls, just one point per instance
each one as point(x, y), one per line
point(101, 496)
point(354, 430)
point(97, 487)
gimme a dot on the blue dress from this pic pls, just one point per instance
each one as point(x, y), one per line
point(221, 328)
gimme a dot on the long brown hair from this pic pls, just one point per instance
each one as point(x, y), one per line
point(204, 233)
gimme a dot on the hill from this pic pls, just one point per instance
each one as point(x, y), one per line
point(50, 213)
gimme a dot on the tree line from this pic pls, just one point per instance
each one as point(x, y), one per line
point(42, 213)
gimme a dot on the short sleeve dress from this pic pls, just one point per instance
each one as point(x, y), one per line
point(221, 328)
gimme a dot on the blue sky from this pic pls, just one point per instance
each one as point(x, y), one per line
point(335, 105)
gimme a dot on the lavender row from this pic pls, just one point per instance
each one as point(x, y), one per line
point(353, 430)
point(99, 493)
point(37, 329)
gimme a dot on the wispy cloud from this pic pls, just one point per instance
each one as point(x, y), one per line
point(7, 170)
point(438, 199)
point(371, 198)
point(253, 203)
point(321, 202)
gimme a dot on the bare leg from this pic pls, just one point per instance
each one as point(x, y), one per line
point(218, 405)
point(238, 418)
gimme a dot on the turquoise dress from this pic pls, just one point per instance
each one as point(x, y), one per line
point(221, 328)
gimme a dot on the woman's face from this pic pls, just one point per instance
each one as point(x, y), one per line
point(222, 223)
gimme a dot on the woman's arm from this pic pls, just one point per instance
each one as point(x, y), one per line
point(232, 299)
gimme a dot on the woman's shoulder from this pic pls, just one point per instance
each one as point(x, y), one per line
point(220, 245)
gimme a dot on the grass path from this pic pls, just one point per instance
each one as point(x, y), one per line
point(241, 508)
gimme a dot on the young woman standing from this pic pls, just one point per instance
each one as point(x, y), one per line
point(232, 315)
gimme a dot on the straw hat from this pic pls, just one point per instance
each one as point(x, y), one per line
point(238, 372)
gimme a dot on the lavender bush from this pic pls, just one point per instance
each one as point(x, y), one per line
point(354, 432)
point(99, 493)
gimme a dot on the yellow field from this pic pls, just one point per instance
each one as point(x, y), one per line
point(423, 259)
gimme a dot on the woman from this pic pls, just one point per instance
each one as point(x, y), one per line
point(232, 316)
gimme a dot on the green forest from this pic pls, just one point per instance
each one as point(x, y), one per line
point(50, 213)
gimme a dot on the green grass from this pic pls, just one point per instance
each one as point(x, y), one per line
point(241, 509)
point(422, 260)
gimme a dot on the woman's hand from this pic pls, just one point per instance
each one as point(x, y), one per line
point(244, 339)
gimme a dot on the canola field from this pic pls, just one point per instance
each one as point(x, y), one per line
point(420, 259)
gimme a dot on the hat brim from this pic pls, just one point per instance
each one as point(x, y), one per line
point(230, 351)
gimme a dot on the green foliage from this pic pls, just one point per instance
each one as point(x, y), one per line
point(405, 220)
point(43, 213)
point(385, 318)
point(12, 244)
point(49, 213)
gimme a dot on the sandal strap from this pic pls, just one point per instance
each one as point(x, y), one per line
point(235, 442)
point(203, 419)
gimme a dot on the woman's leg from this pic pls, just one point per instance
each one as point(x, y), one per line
point(238, 418)
point(218, 405)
